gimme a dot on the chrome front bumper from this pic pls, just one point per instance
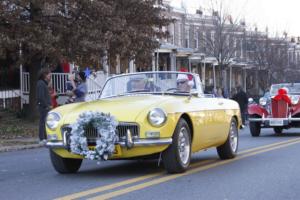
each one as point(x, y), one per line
point(268, 119)
point(274, 121)
point(138, 142)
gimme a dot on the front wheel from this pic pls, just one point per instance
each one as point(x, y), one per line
point(177, 156)
point(64, 165)
point(229, 149)
point(254, 127)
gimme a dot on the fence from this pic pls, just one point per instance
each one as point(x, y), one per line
point(10, 98)
point(95, 83)
point(14, 99)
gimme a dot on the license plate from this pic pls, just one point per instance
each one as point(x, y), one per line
point(92, 148)
point(276, 122)
point(117, 152)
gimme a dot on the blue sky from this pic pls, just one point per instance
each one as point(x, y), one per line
point(277, 15)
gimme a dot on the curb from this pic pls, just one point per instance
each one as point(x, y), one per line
point(20, 147)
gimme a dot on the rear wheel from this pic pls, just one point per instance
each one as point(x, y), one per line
point(278, 130)
point(254, 127)
point(177, 156)
point(64, 165)
point(230, 147)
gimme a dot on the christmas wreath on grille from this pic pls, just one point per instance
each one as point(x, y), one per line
point(105, 124)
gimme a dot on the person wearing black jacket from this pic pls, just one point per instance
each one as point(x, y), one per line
point(242, 99)
point(43, 100)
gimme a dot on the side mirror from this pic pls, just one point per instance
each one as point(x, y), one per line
point(250, 100)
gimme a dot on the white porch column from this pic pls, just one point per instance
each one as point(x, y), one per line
point(173, 61)
point(153, 61)
point(134, 66)
point(131, 66)
point(118, 67)
point(245, 80)
point(157, 61)
point(21, 85)
point(230, 77)
point(21, 79)
point(105, 65)
point(214, 74)
point(203, 74)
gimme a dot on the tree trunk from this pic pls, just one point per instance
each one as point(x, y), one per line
point(34, 68)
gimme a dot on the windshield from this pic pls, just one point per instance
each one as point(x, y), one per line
point(149, 82)
point(292, 88)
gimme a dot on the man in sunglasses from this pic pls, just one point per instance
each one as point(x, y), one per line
point(137, 83)
point(183, 83)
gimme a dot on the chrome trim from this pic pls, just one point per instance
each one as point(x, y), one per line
point(55, 145)
point(268, 119)
point(123, 127)
point(139, 142)
point(148, 142)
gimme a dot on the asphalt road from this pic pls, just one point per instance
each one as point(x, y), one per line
point(266, 168)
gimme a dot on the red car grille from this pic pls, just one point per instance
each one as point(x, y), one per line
point(279, 109)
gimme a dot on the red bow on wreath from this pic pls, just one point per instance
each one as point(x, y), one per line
point(282, 95)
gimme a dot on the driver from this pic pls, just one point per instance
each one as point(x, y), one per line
point(137, 83)
point(184, 84)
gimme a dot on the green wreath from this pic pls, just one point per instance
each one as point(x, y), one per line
point(105, 124)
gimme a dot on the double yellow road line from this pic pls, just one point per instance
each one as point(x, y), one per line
point(160, 177)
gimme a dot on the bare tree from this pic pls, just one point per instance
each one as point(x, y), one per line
point(222, 36)
point(269, 54)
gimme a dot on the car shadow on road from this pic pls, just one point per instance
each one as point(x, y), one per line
point(125, 168)
point(283, 134)
point(120, 168)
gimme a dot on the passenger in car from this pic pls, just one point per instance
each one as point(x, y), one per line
point(183, 83)
point(137, 83)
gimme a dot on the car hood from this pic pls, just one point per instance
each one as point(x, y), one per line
point(125, 108)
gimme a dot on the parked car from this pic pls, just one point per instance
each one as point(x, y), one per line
point(278, 109)
point(160, 120)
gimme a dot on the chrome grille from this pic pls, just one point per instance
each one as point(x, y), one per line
point(123, 127)
point(91, 133)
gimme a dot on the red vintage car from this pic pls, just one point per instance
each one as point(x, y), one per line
point(279, 109)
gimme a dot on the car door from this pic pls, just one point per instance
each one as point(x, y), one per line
point(208, 115)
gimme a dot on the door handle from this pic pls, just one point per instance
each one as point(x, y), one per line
point(220, 103)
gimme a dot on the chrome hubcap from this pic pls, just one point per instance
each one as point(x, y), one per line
point(183, 145)
point(233, 137)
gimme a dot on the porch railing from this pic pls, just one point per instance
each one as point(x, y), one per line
point(10, 99)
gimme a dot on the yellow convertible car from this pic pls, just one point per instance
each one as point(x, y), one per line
point(164, 115)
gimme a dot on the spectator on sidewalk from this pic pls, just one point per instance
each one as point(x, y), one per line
point(242, 99)
point(79, 86)
point(219, 93)
point(43, 100)
point(53, 95)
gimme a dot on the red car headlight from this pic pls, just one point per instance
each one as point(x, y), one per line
point(295, 99)
point(263, 101)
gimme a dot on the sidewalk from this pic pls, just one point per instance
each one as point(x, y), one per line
point(19, 144)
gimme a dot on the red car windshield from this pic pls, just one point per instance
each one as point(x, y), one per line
point(292, 88)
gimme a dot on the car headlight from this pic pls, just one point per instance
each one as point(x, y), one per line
point(263, 101)
point(52, 120)
point(295, 99)
point(157, 117)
